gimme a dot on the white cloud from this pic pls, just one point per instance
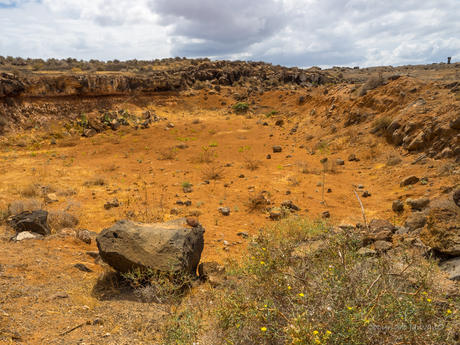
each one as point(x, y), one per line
point(288, 32)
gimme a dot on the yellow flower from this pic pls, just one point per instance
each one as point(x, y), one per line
point(315, 332)
point(424, 292)
point(449, 311)
point(328, 333)
point(301, 295)
point(366, 321)
point(263, 329)
point(265, 306)
point(428, 300)
point(349, 308)
point(262, 263)
point(238, 325)
point(289, 288)
point(263, 248)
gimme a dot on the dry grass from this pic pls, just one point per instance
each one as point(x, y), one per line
point(213, 172)
point(370, 84)
point(303, 166)
point(257, 203)
point(96, 180)
point(446, 169)
point(71, 142)
point(110, 168)
point(31, 204)
point(30, 190)
point(60, 220)
point(206, 157)
point(169, 153)
point(252, 163)
point(393, 160)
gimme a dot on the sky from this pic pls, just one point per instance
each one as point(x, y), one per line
point(300, 33)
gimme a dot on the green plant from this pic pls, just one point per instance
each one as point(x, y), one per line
point(186, 184)
point(292, 291)
point(169, 153)
point(280, 167)
point(241, 106)
point(213, 143)
point(381, 122)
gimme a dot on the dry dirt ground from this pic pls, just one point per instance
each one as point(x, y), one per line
point(34, 272)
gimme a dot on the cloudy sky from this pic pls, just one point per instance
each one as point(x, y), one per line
point(300, 33)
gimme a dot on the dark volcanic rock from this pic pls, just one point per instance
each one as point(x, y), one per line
point(170, 246)
point(36, 221)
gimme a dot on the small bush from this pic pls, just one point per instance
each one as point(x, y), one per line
point(241, 106)
point(257, 203)
point(252, 163)
point(186, 184)
point(212, 172)
point(29, 191)
point(381, 122)
point(169, 153)
point(370, 84)
point(303, 166)
point(19, 206)
point(59, 220)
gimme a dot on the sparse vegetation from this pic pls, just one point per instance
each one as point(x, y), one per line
point(370, 84)
point(241, 106)
point(252, 163)
point(169, 153)
point(381, 122)
point(213, 172)
point(96, 180)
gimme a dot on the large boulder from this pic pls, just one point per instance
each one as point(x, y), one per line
point(171, 246)
point(442, 231)
point(36, 221)
point(416, 220)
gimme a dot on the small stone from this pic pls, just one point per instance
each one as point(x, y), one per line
point(382, 246)
point(192, 222)
point(84, 236)
point(225, 211)
point(352, 157)
point(397, 206)
point(50, 198)
point(366, 194)
point(286, 203)
point(269, 156)
point(188, 203)
point(419, 204)
point(277, 148)
point(93, 254)
point(279, 122)
point(111, 204)
point(243, 234)
point(456, 197)
point(360, 186)
point(58, 295)
point(366, 251)
point(409, 180)
point(82, 267)
point(340, 161)
point(326, 214)
point(174, 211)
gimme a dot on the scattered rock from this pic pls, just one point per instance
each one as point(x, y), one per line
point(93, 254)
point(456, 197)
point(277, 148)
point(61, 294)
point(276, 215)
point(366, 194)
point(384, 235)
point(174, 211)
point(366, 251)
point(50, 198)
point(397, 206)
point(224, 210)
point(212, 272)
point(286, 203)
point(452, 267)
point(344, 226)
point(279, 122)
point(25, 235)
point(326, 214)
point(415, 221)
point(409, 180)
point(36, 221)
point(83, 268)
point(111, 204)
point(378, 225)
point(192, 222)
point(352, 157)
point(243, 234)
point(340, 161)
point(83, 235)
point(442, 231)
point(382, 246)
point(269, 156)
point(419, 204)
point(165, 246)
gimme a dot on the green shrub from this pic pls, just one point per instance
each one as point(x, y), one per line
point(381, 122)
point(240, 107)
point(304, 284)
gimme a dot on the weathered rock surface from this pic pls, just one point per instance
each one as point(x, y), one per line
point(419, 204)
point(409, 180)
point(378, 225)
point(36, 221)
point(397, 205)
point(170, 246)
point(415, 221)
point(442, 231)
point(212, 272)
point(452, 267)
